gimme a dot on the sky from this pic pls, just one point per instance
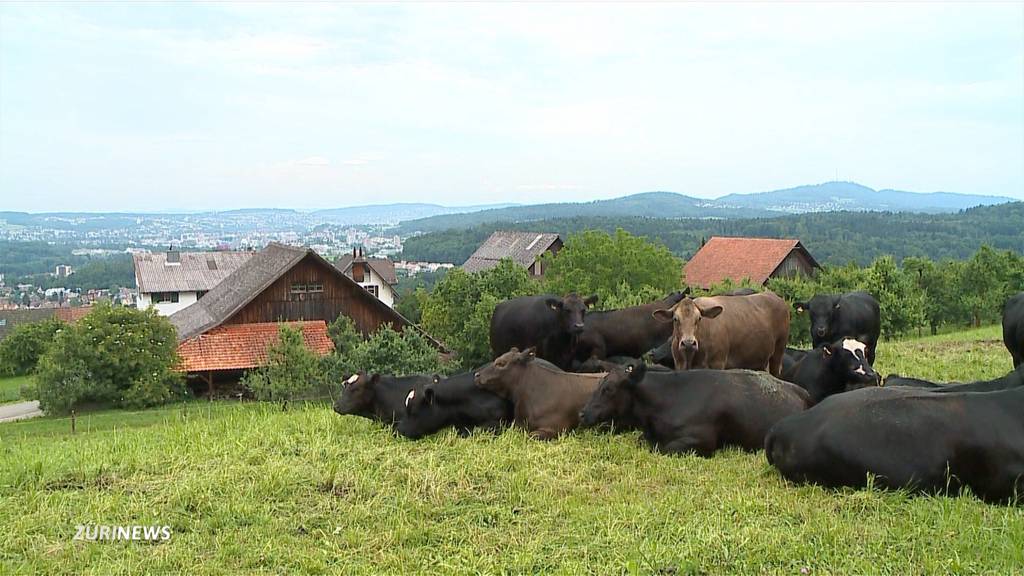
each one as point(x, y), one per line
point(149, 107)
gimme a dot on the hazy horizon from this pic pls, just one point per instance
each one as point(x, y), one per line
point(200, 107)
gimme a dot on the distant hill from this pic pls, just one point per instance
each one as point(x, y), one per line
point(833, 196)
point(662, 204)
point(394, 213)
point(827, 197)
point(832, 237)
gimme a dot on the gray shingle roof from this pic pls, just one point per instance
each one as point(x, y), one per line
point(522, 247)
point(196, 270)
point(382, 266)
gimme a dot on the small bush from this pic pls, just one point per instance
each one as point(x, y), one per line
point(292, 369)
point(21, 349)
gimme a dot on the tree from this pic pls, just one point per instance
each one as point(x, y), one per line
point(118, 356)
point(458, 310)
point(611, 266)
point(21, 349)
point(400, 353)
point(291, 369)
point(902, 302)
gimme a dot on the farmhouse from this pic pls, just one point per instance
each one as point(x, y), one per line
point(228, 330)
point(757, 259)
point(376, 275)
point(172, 280)
point(523, 248)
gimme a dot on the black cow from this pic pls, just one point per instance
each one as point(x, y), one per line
point(791, 357)
point(1013, 328)
point(852, 315)
point(695, 410)
point(452, 402)
point(1012, 380)
point(595, 365)
point(832, 369)
point(377, 397)
point(907, 438)
point(550, 324)
point(629, 331)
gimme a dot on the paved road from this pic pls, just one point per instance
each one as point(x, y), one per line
point(17, 411)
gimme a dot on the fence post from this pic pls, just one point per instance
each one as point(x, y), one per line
point(72, 421)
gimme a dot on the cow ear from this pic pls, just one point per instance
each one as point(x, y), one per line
point(590, 300)
point(375, 378)
point(663, 315)
point(514, 349)
point(428, 394)
point(530, 352)
point(800, 307)
point(436, 379)
point(686, 291)
point(827, 350)
point(711, 312)
point(554, 303)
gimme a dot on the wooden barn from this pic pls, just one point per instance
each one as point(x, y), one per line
point(228, 330)
point(523, 248)
point(757, 259)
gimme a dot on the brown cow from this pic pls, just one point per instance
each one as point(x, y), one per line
point(546, 400)
point(729, 332)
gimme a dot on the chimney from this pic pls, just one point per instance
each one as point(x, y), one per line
point(173, 256)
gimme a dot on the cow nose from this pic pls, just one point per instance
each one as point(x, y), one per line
point(820, 331)
point(579, 325)
point(689, 343)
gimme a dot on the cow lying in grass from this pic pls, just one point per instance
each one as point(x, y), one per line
point(546, 401)
point(455, 402)
point(907, 438)
point(831, 369)
point(1011, 380)
point(377, 397)
point(695, 410)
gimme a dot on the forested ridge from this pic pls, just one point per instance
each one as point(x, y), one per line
point(832, 237)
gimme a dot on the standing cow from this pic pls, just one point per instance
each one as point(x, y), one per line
point(834, 316)
point(729, 332)
point(1013, 328)
point(550, 324)
point(628, 332)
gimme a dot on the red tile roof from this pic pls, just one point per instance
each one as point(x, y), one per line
point(71, 315)
point(739, 258)
point(243, 346)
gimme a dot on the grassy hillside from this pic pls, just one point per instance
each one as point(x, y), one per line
point(833, 237)
point(247, 488)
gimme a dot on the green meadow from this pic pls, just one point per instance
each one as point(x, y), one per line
point(249, 488)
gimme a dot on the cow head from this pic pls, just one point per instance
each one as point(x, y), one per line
point(686, 317)
point(420, 416)
point(614, 397)
point(571, 311)
point(504, 371)
point(848, 360)
point(357, 394)
point(823, 307)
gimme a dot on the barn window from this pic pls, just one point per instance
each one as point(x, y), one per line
point(298, 288)
point(358, 273)
point(373, 289)
point(315, 287)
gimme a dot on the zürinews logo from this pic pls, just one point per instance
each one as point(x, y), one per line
point(104, 533)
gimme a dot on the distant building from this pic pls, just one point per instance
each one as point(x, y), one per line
point(757, 259)
point(172, 280)
point(376, 275)
point(11, 318)
point(523, 248)
point(63, 271)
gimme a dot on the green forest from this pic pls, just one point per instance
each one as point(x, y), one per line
point(34, 262)
point(832, 237)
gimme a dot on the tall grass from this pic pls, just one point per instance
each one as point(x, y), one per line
point(250, 488)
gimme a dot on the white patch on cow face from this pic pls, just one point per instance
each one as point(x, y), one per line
point(412, 394)
point(352, 379)
point(859, 370)
point(854, 345)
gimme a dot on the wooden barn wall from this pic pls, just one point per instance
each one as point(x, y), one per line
point(278, 304)
point(795, 263)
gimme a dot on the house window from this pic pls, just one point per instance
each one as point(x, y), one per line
point(373, 289)
point(298, 288)
point(314, 287)
point(165, 297)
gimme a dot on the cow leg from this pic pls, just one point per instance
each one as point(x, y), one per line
point(700, 441)
point(543, 434)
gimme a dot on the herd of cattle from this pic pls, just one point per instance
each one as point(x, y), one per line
point(721, 375)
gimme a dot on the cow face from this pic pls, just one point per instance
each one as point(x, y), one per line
point(571, 311)
point(357, 394)
point(823, 308)
point(420, 411)
point(686, 317)
point(505, 370)
point(848, 359)
point(614, 397)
